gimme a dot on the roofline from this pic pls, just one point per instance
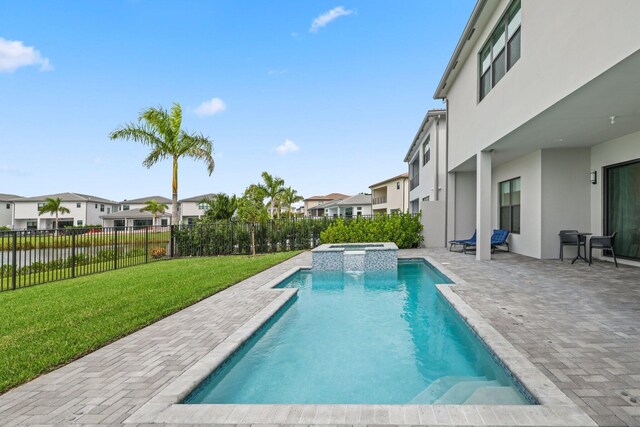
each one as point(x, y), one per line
point(469, 29)
point(404, 175)
point(425, 121)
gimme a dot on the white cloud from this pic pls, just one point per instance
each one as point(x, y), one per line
point(211, 107)
point(14, 54)
point(277, 72)
point(288, 146)
point(327, 17)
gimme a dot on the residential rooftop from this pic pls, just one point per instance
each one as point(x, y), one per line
point(159, 199)
point(401, 176)
point(66, 197)
point(331, 196)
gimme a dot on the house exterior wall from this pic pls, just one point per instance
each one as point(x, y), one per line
point(6, 214)
point(461, 213)
point(189, 210)
point(432, 175)
point(564, 45)
point(397, 198)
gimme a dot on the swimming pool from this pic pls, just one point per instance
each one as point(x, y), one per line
point(376, 337)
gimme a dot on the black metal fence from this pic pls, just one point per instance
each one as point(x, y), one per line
point(31, 257)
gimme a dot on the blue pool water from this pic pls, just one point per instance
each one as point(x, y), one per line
point(362, 338)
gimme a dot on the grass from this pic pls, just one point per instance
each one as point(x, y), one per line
point(49, 325)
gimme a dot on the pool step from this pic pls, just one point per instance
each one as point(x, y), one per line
point(436, 389)
point(462, 391)
point(495, 396)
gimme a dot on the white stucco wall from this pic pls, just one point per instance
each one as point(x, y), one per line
point(528, 168)
point(565, 197)
point(565, 44)
point(6, 214)
point(433, 223)
point(462, 212)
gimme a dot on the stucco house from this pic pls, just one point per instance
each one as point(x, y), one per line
point(6, 209)
point(84, 209)
point(193, 208)
point(130, 215)
point(357, 205)
point(390, 195)
point(426, 159)
point(312, 204)
point(543, 118)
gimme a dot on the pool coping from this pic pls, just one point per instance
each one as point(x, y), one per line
point(554, 408)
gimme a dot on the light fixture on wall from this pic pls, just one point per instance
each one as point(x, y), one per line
point(613, 120)
point(594, 177)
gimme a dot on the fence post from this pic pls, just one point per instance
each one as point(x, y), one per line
point(73, 253)
point(146, 245)
point(14, 260)
point(171, 241)
point(115, 248)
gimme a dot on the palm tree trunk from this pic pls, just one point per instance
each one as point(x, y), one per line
point(174, 192)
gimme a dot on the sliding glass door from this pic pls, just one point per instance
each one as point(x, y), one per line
point(622, 207)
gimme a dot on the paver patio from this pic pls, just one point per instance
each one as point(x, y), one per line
point(580, 325)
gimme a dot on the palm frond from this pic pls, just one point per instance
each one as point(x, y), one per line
point(198, 147)
point(157, 154)
point(175, 120)
point(158, 119)
point(138, 133)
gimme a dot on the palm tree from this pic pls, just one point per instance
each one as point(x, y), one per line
point(220, 207)
point(160, 130)
point(289, 197)
point(154, 208)
point(272, 187)
point(53, 206)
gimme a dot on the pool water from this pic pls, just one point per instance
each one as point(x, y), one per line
point(362, 338)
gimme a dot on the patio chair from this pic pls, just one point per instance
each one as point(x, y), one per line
point(499, 238)
point(571, 238)
point(602, 242)
point(465, 243)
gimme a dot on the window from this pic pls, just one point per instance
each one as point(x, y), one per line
point(203, 206)
point(101, 208)
point(78, 205)
point(398, 185)
point(40, 205)
point(96, 206)
point(164, 222)
point(414, 174)
point(32, 225)
point(125, 207)
point(621, 206)
point(79, 222)
point(118, 223)
point(8, 205)
point(426, 152)
point(425, 199)
point(108, 210)
point(501, 51)
point(510, 205)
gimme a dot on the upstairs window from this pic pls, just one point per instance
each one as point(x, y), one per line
point(8, 205)
point(501, 51)
point(426, 150)
point(125, 207)
point(101, 208)
point(203, 206)
point(414, 174)
point(78, 205)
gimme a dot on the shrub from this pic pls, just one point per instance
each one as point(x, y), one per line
point(158, 252)
point(403, 229)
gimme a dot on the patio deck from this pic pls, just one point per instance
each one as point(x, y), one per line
point(579, 325)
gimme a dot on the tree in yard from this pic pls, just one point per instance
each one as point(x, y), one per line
point(53, 206)
point(161, 130)
point(289, 197)
point(272, 188)
point(154, 208)
point(220, 207)
point(251, 210)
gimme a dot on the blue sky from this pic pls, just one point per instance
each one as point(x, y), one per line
point(348, 92)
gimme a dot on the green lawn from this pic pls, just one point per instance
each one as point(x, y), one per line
point(49, 325)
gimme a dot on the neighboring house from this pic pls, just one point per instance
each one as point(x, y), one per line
point(130, 215)
point(357, 205)
point(83, 210)
point(193, 208)
point(543, 107)
point(6, 209)
point(312, 204)
point(390, 195)
point(428, 176)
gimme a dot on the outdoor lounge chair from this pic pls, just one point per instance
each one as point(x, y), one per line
point(602, 242)
point(465, 243)
point(499, 240)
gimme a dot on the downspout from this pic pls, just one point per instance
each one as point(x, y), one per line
point(446, 178)
point(436, 158)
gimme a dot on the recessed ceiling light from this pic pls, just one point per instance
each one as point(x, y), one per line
point(613, 120)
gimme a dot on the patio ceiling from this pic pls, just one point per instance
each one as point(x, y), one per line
point(582, 119)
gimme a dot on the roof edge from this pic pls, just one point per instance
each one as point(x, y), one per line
point(425, 121)
point(404, 175)
point(466, 34)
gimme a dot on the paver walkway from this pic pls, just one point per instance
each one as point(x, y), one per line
point(579, 325)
